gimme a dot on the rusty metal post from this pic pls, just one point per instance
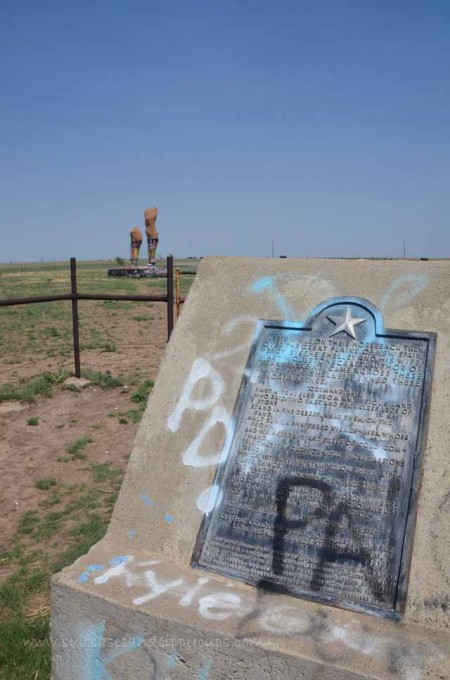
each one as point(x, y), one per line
point(177, 290)
point(169, 296)
point(76, 338)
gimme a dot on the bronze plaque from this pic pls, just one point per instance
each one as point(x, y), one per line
point(319, 486)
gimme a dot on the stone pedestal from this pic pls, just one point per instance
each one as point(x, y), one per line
point(134, 607)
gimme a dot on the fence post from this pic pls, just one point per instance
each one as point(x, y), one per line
point(76, 339)
point(169, 295)
point(177, 290)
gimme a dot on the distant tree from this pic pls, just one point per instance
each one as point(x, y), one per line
point(120, 261)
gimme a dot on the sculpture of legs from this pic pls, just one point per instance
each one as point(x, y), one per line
point(150, 216)
point(136, 242)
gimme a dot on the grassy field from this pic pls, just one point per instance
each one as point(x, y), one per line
point(39, 336)
point(64, 449)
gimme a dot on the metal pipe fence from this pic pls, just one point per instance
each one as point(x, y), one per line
point(74, 296)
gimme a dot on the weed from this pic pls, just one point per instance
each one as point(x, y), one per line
point(63, 459)
point(33, 421)
point(52, 332)
point(40, 385)
point(27, 522)
point(110, 499)
point(53, 499)
point(77, 446)
point(134, 414)
point(45, 483)
point(86, 534)
point(103, 471)
point(109, 347)
point(103, 380)
point(141, 394)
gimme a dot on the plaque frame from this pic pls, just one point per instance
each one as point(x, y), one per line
point(411, 515)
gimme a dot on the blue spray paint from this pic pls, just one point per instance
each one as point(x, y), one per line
point(172, 661)
point(84, 576)
point(204, 671)
point(146, 500)
point(403, 290)
point(269, 283)
point(93, 662)
point(119, 559)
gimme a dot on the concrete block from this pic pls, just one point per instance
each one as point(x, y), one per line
point(134, 608)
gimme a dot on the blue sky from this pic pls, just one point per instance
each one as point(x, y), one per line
point(323, 126)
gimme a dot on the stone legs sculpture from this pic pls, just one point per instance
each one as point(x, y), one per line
point(135, 246)
point(150, 216)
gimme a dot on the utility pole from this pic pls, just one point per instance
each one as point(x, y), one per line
point(404, 249)
point(273, 248)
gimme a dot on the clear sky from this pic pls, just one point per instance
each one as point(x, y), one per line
point(323, 125)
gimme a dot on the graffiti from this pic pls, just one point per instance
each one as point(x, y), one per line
point(209, 604)
point(84, 576)
point(205, 386)
point(93, 654)
point(214, 604)
point(229, 327)
point(157, 588)
point(209, 497)
point(333, 510)
point(402, 291)
point(286, 620)
point(146, 500)
point(93, 662)
point(188, 598)
point(191, 456)
point(269, 283)
point(204, 671)
point(201, 369)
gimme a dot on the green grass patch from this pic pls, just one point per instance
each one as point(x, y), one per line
point(103, 380)
point(25, 649)
point(84, 536)
point(78, 446)
point(27, 522)
point(45, 483)
point(133, 414)
point(53, 499)
point(141, 394)
point(41, 385)
point(142, 318)
point(33, 421)
point(104, 471)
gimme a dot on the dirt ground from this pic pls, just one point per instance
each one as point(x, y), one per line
point(30, 452)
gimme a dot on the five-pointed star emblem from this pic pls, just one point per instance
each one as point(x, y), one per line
point(347, 323)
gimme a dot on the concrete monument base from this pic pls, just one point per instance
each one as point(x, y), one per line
point(134, 608)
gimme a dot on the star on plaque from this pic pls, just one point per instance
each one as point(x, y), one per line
point(346, 324)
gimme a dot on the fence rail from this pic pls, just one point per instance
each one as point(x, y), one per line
point(74, 296)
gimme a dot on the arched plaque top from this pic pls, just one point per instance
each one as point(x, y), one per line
point(346, 317)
